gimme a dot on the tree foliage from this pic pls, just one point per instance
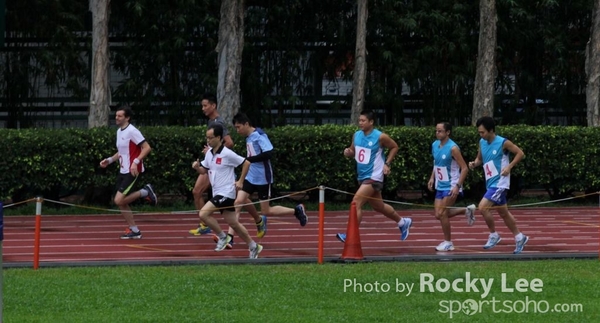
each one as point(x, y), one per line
point(167, 57)
point(41, 56)
point(420, 55)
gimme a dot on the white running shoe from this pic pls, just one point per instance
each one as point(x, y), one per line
point(445, 246)
point(493, 240)
point(254, 252)
point(470, 214)
point(223, 242)
point(520, 244)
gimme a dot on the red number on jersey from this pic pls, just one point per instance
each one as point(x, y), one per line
point(361, 155)
point(488, 172)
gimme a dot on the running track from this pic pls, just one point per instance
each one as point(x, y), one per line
point(92, 240)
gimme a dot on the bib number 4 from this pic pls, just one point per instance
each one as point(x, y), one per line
point(490, 170)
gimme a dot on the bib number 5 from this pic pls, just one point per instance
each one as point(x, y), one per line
point(441, 174)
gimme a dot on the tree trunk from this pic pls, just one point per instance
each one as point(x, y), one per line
point(592, 69)
point(360, 61)
point(98, 114)
point(485, 77)
point(230, 46)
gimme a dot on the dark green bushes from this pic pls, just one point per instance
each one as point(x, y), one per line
point(53, 163)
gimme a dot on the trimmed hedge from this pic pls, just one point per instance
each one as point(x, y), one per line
point(53, 163)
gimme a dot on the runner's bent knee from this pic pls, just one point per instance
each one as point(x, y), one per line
point(201, 185)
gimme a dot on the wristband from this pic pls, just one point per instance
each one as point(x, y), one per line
point(110, 160)
point(136, 161)
point(388, 164)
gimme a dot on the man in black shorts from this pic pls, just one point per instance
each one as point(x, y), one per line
point(132, 148)
point(260, 177)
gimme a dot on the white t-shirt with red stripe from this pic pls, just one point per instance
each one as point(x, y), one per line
point(129, 146)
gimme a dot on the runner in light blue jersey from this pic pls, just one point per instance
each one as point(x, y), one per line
point(447, 178)
point(367, 148)
point(260, 178)
point(493, 155)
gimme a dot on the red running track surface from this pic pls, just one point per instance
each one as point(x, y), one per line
point(74, 240)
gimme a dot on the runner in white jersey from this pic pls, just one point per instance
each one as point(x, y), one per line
point(209, 108)
point(367, 148)
point(447, 178)
point(219, 163)
point(132, 149)
point(493, 154)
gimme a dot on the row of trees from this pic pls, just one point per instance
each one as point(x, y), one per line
point(167, 54)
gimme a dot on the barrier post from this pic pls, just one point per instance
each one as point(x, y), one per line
point(321, 223)
point(38, 229)
point(1, 264)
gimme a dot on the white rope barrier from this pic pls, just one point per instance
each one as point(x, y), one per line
point(295, 194)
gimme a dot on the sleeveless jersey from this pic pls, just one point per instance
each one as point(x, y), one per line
point(369, 155)
point(446, 169)
point(494, 159)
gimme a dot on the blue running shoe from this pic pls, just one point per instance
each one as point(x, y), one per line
point(151, 198)
point(341, 237)
point(300, 214)
point(405, 229)
point(493, 240)
point(261, 229)
point(520, 244)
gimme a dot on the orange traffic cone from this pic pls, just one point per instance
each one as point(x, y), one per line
point(352, 247)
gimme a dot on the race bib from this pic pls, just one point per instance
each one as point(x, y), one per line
point(490, 170)
point(362, 154)
point(441, 174)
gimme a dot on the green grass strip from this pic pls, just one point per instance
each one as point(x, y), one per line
point(307, 293)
